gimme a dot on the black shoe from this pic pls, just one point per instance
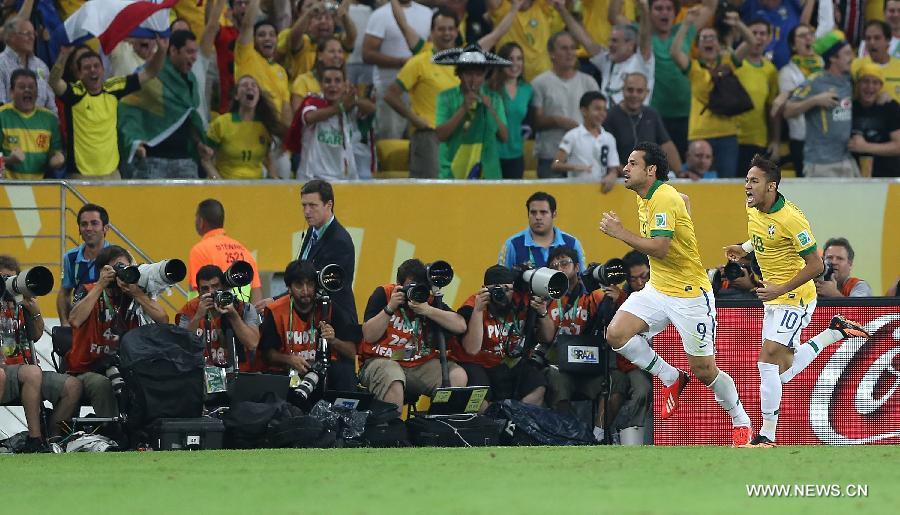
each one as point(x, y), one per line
point(35, 445)
point(847, 327)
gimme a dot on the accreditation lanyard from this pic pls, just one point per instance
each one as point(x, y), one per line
point(571, 312)
point(311, 331)
point(415, 338)
point(508, 328)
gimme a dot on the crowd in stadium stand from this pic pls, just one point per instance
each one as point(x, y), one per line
point(354, 90)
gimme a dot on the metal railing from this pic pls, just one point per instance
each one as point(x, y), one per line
point(65, 240)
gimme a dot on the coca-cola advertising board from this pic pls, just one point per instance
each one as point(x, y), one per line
point(849, 395)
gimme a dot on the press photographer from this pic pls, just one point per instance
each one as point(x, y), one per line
point(398, 346)
point(736, 279)
point(219, 318)
point(293, 324)
point(574, 321)
point(21, 379)
point(492, 347)
point(102, 314)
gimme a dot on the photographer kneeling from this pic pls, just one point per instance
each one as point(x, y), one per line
point(102, 314)
point(206, 317)
point(292, 325)
point(491, 352)
point(397, 340)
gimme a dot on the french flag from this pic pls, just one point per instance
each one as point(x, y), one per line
point(111, 21)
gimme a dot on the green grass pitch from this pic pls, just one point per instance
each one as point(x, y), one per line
point(500, 480)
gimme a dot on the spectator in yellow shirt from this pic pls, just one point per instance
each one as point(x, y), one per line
point(254, 55)
point(758, 133)
point(878, 40)
point(531, 29)
point(314, 22)
point(240, 140)
point(712, 55)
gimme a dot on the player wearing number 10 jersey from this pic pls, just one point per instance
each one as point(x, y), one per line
point(785, 249)
point(679, 291)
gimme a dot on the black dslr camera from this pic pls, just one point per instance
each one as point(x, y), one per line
point(223, 298)
point(596, 275)
point(828, 274)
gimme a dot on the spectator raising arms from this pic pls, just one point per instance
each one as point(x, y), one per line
point(713, 58)
point(30, 134)
point(241, 139)
point(92, 110)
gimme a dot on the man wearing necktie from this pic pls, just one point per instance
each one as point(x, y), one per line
point(326, 241)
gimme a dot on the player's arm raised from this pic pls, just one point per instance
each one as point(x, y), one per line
point(657, 246)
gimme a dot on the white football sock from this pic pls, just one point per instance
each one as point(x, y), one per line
point(639, 352)
point(598, 433)
point(769, 398)
point(807, 352)
point(727, 396)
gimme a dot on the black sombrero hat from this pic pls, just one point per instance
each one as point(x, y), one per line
point(471, 55)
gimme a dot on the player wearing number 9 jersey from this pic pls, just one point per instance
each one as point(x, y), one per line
point(785, 249)
point(679, 291)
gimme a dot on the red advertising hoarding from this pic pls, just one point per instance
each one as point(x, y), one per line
point(849, 395)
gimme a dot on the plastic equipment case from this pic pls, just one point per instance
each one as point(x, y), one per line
point(170, 434)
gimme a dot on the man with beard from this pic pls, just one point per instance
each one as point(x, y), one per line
point(293, 324)
point(398, 346)
point(489, 351)
point(102, 314)
point(30, 135)
point(92, 110)
point(679, 291)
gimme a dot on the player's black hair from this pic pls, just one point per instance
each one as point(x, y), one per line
point(773, 173)
point(654, 156)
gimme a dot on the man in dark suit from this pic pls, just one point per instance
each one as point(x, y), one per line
point(326, 241)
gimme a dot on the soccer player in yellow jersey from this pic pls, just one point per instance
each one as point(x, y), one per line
point(678, 292)
point(785, 249)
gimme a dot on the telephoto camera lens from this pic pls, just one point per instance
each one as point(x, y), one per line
point(223, 298)
point(310, 381)
point(115, 377)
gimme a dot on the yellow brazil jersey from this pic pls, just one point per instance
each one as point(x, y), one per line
point(531, 29)
point(240, 146)
point(424, 80)
point(305, 84)
point(706, 124)
point(761, 83)
point(596, 21)
point(891, 74)
point(663, 213)
point(296, 63)
point(780, 239)
point(193, 12)
point(270, 75)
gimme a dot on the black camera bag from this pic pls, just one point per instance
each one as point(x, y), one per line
point(454, 431)
point(544, 426)
point(290, 427)
point(163, 370)
point(383, 427)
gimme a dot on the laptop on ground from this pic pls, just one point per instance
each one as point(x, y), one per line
point(259, 387)
point(457, 400)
